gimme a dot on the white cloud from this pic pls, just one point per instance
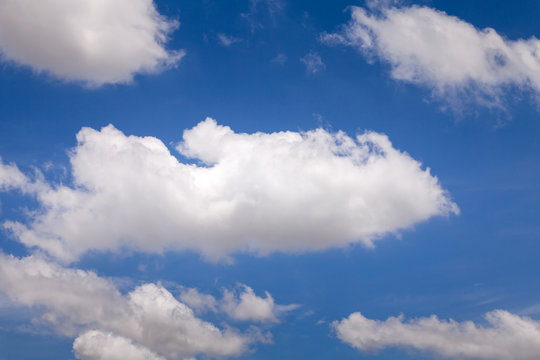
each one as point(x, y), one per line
point(12, 178)
point(147, 320)
point(289, 192)
point(99, 345)
point(94, 42)
point(507, 336)
point(248, 306)
point(313, 63)
point(227, 40)
point(198, 301)
point(444, 53)
point(243, 306)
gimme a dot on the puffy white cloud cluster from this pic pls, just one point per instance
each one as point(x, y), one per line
point(94, 42)
point(448, 55)
point(508, 336)
point(285, 191)
point(243, 306)
point(249, 306)
point(148, 323)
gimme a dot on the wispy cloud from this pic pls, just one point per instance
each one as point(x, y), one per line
point(279, 59)
point(313, 63)
point(261, 12)
point(227, 40)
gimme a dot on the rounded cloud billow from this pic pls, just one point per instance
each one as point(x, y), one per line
point(93, 42)
point(147, 323)
point(261, 193)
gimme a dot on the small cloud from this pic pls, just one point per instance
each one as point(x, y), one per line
point(279, 59)
point(228, 40)
point(305, 314)
point(240, 304)
point(306, 20)
point(262, 12)
point(313, 62)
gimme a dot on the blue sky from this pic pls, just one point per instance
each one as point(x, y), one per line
point(231, 191)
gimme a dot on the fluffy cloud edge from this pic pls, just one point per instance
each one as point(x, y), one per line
point(458, 62)
point(507, 335)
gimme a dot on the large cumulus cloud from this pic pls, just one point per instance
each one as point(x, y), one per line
point(263, 192)
point(94, 42)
